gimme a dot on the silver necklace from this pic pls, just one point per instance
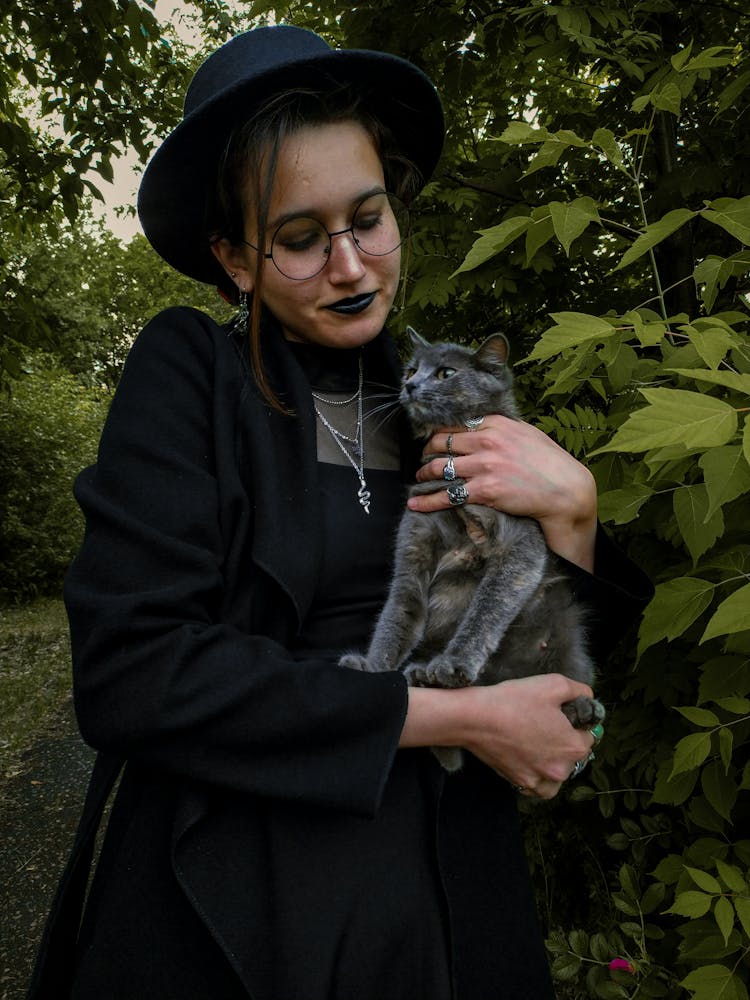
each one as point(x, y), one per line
point(358, 441)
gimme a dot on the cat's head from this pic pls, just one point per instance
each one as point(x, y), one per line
point(447, 384)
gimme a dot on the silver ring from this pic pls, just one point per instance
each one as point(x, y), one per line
point(519, 788)
point(580, 765)
point(458, 495)
point(449, 471)
point(449, 445)
point(473, 423)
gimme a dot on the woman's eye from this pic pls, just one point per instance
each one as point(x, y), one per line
point(368, 222)
point(445, 372)
point(300, 236)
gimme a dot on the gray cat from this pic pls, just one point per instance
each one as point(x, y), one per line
point(476, 595)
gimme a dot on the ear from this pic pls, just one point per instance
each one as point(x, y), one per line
point(235, 262)
point(494, 350)
point(416, 339)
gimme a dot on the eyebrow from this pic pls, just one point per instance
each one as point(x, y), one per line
point(279, 220)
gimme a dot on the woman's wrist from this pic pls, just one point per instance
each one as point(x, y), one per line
point(437, 717)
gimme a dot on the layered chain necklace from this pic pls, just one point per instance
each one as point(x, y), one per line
point(352, 447)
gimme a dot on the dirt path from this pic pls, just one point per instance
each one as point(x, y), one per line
point(39, 809)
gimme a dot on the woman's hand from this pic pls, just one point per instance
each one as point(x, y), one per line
point(516, 727)
point(514, 467)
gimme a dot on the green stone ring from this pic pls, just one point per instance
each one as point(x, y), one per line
point(597, 732)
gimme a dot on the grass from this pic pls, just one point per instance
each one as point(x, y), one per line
point(34, 675)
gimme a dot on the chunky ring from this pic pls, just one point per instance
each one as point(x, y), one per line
point(449, 471)
point(580, 765)
point(458, 494)
point(449, 445)
point(473, 423)
point(597, 732)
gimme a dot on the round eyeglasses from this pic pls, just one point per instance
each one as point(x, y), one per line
point(301, 247)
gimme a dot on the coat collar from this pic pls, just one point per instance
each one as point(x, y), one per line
point(280, 460)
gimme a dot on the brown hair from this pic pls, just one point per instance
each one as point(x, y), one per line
point(247, 169)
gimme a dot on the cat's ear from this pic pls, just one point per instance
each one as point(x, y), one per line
point(494, 350)
point(416, 339)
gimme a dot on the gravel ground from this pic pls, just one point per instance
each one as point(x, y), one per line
point(40, 802)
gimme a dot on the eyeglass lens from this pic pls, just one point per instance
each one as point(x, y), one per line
point(300, 247)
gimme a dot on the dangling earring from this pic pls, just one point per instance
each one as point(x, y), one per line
point(243, 314)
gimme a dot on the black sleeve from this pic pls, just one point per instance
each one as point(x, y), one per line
point(614, 595)
point(158, 676)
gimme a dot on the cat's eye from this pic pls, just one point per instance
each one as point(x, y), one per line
point(410, 373)
point(443, 373)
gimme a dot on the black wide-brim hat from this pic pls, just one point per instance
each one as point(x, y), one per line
point(233, 83)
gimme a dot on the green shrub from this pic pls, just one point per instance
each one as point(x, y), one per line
point(49, 429)
point(645, 863)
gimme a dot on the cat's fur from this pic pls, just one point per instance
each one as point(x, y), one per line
point(476, 596)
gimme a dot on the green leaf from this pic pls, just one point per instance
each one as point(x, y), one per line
point(547, 155)
point(732, 615)
point(691, 904)
point(742, 906)
point(731, 876)
point(539, 232)
point(621, 506)
point(679, 59)
point(605, 140)
point(667, 98)
point(655, 233)
point(700, 716)
point(675, 606)
point(726, 744)
point(691, 752)
point(572, 330)
point(719, 788)
point(737, 706)
point(703, 880)
point(733, 215)
point(730, 380)
point(517, 133)
point(712, 343)
point(709, 59)
point(675, 416)
point(726, 474)
point(698, 526)
point(571, 219)
point(492, 241)
point(714, 982)
point(724, 915)
point(673, 790)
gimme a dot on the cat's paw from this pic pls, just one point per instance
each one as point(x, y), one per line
point(355, 661)
point(584, 712)
point(439, 672)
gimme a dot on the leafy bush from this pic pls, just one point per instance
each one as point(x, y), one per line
point(49, 429)
point(657, 405)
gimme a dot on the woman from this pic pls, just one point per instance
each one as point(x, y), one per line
point(280, 830)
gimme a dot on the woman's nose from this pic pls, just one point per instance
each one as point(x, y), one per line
point(345, 262)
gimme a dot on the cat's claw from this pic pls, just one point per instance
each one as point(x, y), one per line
point(355, 661)
point(439, 672)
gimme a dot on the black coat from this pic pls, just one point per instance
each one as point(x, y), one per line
point(189, 587)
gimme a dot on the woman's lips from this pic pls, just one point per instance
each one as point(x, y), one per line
point(355, 304)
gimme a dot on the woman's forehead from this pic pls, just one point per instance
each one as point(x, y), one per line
point(325, 167)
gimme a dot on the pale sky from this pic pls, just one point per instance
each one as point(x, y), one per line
point(122, 191)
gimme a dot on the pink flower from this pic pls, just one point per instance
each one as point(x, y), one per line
point(622, 965)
